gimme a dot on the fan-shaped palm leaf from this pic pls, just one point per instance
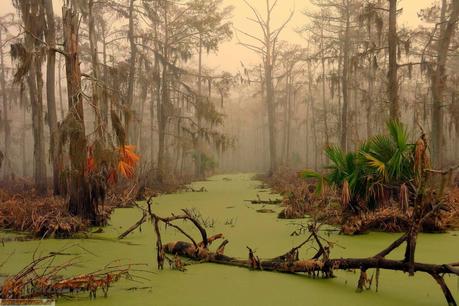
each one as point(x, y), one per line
point(375, 163)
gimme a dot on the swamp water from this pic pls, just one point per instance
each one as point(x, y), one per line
point(225, 211)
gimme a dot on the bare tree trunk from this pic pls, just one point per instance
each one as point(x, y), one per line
point(132, 70)
point(285, 102)
point(345, 80)
point(178, 145)
point(32, 15)
point(50, 37)
point(271, 115)
point(96, 89)
point(23, 134)
point(270, 100)
point(143, 99)
point(392, 85)
point(438, 82)
point(163, 104)
point(5, 119)
point(370, 96)
point(104, 105)
point(61, 100)
point(79, 203)
point(289, 118)
point(312, 121)
point(152, 121)
point(324, 102)
point(198, 153)
point(35, 83)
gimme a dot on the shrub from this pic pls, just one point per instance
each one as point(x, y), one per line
point(383, 168)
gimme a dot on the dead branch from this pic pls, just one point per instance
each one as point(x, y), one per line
point(260, 201)
point(41, 278)
point(319, 264)
point(135, 226)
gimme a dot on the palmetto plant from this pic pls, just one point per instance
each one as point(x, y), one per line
point(373, 173)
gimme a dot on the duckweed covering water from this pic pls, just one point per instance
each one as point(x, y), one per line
point(224, 208)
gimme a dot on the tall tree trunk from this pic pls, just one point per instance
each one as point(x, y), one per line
point(96, 89)
point(80, 203)
point(36, 100)
point(285, 120)
point(154, 88)
point(35, 82)
point(291, 107)
point(289, 119)
point(438, 81)
point(23, 134)
point(104, 105)
point(5, 119)
point(33, 15)
point(59, 87)
point(50, 36)
point(324, 102)
point(345, 79)
point(198, 153)
point(392, 84)
point(270, 100)
point(312, 121)
point(132, 71)
point(143, 100)
point(370, 95)
point(271, 107)
point(164, 100)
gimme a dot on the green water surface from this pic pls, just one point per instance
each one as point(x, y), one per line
point(209, 284)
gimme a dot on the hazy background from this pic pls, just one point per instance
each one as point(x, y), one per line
point(230, 53)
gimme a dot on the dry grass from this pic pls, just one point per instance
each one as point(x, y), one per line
point(40, 216)
point(21, 209)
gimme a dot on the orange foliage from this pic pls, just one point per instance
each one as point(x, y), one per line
point(125, 169)
point(128, 161)
point(90, 164)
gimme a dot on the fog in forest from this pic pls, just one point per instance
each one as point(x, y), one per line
point(325, 75)
point(287, 127)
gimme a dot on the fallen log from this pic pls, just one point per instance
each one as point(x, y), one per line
point(321, 264)
point(260, 201)
point(269, 201)
point(189, 188)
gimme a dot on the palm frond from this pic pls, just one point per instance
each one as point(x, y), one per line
point(398, 133)
point(375, 163)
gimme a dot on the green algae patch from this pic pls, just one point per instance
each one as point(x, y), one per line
point(224, 210)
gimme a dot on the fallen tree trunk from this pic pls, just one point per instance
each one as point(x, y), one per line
point(427, 205)
point(183, 248)
point(319, 265)
point(269, 201)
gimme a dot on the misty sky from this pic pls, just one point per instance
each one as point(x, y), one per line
point(231, 54)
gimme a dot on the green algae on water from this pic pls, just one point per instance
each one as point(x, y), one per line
point(242, 225)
